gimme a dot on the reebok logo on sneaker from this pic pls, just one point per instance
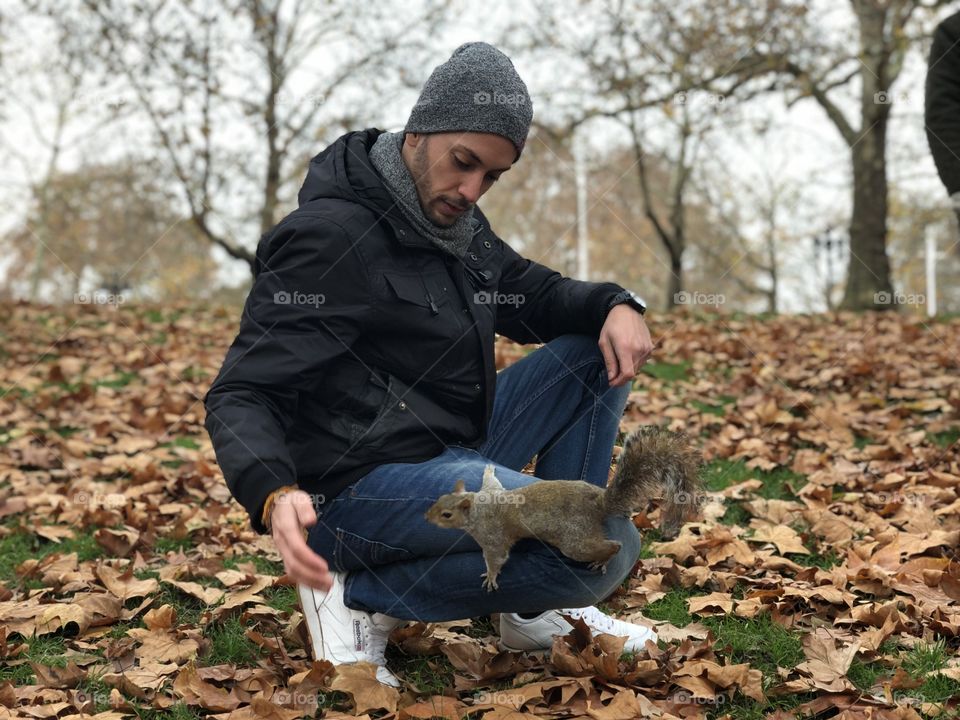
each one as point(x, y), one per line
point(357, 636)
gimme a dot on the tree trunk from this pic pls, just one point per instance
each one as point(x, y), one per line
point(868, 272)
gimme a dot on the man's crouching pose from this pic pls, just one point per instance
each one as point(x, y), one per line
point(362, 381)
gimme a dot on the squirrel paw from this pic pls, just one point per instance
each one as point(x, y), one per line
point(600, 565)
point(490, 583)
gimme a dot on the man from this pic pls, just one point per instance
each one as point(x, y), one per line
point(362, 383)
point(942, 106)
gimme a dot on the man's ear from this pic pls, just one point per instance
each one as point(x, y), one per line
point(458, 488)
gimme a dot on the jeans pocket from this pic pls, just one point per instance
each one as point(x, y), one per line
point(354, 552)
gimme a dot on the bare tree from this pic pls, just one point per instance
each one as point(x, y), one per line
point(869, 55)
point(651, 67)
point(236, 93)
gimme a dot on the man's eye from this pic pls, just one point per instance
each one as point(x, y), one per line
point(460, 164)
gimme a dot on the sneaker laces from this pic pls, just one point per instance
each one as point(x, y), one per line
point(594, 618)
point(377, 634)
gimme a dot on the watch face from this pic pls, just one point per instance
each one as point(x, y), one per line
point(637, 298)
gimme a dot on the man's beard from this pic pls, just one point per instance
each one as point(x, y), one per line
point(424, 189)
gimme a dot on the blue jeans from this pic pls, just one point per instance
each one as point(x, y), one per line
point(556, 404)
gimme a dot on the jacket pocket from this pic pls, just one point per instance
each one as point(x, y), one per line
point(426, 292)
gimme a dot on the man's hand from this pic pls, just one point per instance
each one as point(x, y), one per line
point(291, 514)
point(625, 343)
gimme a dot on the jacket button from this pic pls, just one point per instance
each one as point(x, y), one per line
point(466, 311)
point(477, 387)
point(402, 405)
point(473, 256)
point(486, 244)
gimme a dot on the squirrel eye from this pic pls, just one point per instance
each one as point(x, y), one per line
point(447, 513)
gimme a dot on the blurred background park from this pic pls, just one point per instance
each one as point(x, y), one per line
point(700, 153)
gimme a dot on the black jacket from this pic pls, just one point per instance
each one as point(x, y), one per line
point(942, 113)
point(361, 343)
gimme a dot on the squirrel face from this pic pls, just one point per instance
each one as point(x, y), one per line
point(451, 510)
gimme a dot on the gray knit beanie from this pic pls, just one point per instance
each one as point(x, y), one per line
point(476, 90)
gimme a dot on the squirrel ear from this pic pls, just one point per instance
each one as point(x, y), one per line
point(465, 503)
point(458, 488)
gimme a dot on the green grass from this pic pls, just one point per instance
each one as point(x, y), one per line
point(263, 565)
point(925, 658)
point(189, 609)
point(672, 607)
point(718, 407)
point(758, 640)
point(43, 649)
point(946, 438)
point(164, 545)
point(667, 372)
point(923, 661)
point(282, 598)
point(22, 545)
point(229, 644)
point(432, 674)
point(721, 474)
point(735, 514)
point(179, 711)
point(865, 674)
point(825, 560)
point(647, 539)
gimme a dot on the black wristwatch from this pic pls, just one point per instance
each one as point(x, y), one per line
point(630, 298)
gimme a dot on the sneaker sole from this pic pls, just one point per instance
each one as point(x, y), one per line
point(310, 611)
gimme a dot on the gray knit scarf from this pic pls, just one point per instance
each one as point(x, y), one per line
point(386, 158)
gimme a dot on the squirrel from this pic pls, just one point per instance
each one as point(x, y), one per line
point(569, 514)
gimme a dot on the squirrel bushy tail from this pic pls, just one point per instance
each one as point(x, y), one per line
point(655, 460)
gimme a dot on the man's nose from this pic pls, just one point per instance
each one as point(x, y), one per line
point(470, 187)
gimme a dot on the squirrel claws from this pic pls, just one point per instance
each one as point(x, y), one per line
point(490, 583)
point(600, 565)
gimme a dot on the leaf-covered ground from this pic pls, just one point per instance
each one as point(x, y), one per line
point(822, 580)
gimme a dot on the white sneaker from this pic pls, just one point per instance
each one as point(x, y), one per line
point(342, 635)
point(537, 633)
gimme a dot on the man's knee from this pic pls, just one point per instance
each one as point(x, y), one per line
point(575, 348)
point(598, 585)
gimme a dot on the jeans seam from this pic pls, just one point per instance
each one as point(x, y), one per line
point(590, 438)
